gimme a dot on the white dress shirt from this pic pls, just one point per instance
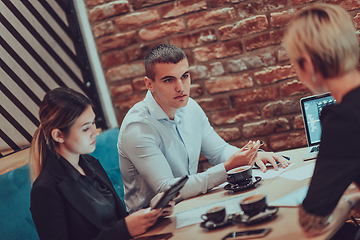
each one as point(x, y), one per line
point(155, 151)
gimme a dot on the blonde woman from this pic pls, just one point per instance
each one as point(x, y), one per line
point(72, 196)
point(322, 45)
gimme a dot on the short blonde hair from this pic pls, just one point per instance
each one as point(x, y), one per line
point(325, 32)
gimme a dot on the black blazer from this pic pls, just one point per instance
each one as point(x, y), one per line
point(60, 211)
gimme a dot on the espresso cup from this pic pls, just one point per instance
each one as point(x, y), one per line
point(241, 175)
point(216, 214)
point(253, 204)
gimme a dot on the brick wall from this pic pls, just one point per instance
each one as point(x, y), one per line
point(240, 73)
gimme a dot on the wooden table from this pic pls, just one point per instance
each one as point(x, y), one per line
point(284, 226)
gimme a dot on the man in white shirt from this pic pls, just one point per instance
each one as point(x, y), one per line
point(161, 137)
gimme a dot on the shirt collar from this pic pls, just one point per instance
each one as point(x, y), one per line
point(88, 169)
point(156, 111)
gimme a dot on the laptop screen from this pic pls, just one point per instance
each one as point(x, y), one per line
point(311, 110)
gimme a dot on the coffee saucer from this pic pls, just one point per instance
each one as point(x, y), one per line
point(237, 188)
point(262, 216)
point(229, 219)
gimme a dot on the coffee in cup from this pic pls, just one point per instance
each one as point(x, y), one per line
point(253, 204)
point(241, 175)
point(216, 214)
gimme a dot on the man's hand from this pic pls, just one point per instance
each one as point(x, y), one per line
point(263, 157)
point(245, 156)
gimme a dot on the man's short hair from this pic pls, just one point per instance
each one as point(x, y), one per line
point(163, 53)
point(327, 34)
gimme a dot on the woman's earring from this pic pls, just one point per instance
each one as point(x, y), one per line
point(314, 79)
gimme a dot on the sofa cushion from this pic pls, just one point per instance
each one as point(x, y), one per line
point(15, 217)
point(107, 153)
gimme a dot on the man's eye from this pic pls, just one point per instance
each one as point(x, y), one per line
point(167, 80)
point(185, 76)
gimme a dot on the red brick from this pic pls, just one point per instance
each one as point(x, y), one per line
point(298, 122)
point(281, 19)
point(196, 90)
point(137, 19)
point(210, 104)
point(178, 8)
point(218, 3)
point(198, 72)
point(244, 27)
point(138, 84)
point(189, 56)
point(210, 18)
point(112, 58)
point(235, 115)
point(108, 10)
point(116, 41)
point(273, 74)
point(102, 29)
point(125, 71)
point(281, 107)
point(292, 88)
point(228, 83)
point(298, 2)
point(121, 90)
point(285, 141)
point(162, 29)
point(245, 10)
point(194, 39)
point(138, 4)
point(241, 143)
point(282, 55)
point(254, 96)
point(265, 127)
point(222, 50)
point(139, 52)
point(215, 69)
point(264, 40)
point(125, 103)
point(91, 3)
point(228, 134)
point(268, 5)
point(247, 63)
point(357, 20)
point(347, 4)
point(206, 71)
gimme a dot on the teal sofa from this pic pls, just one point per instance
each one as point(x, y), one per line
point(15, 217)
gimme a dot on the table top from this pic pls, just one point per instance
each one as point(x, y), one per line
point(284, 226)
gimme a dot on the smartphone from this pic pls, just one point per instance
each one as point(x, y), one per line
point(163, 236)
point(248, 234)
point(172, 192)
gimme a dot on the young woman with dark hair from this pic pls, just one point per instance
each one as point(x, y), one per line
point(72, 196)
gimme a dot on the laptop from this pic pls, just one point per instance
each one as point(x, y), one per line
point(311, 110)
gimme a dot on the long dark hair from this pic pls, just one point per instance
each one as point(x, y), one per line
point(58, 110)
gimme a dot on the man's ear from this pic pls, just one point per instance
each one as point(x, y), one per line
point(149, 84)
point(57, 135)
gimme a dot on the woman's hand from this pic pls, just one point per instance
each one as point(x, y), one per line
point(245, 156)
point(138, 222)
point(337, 218)
point(166, 211)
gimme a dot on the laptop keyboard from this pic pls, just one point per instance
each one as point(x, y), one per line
point(314, 149)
